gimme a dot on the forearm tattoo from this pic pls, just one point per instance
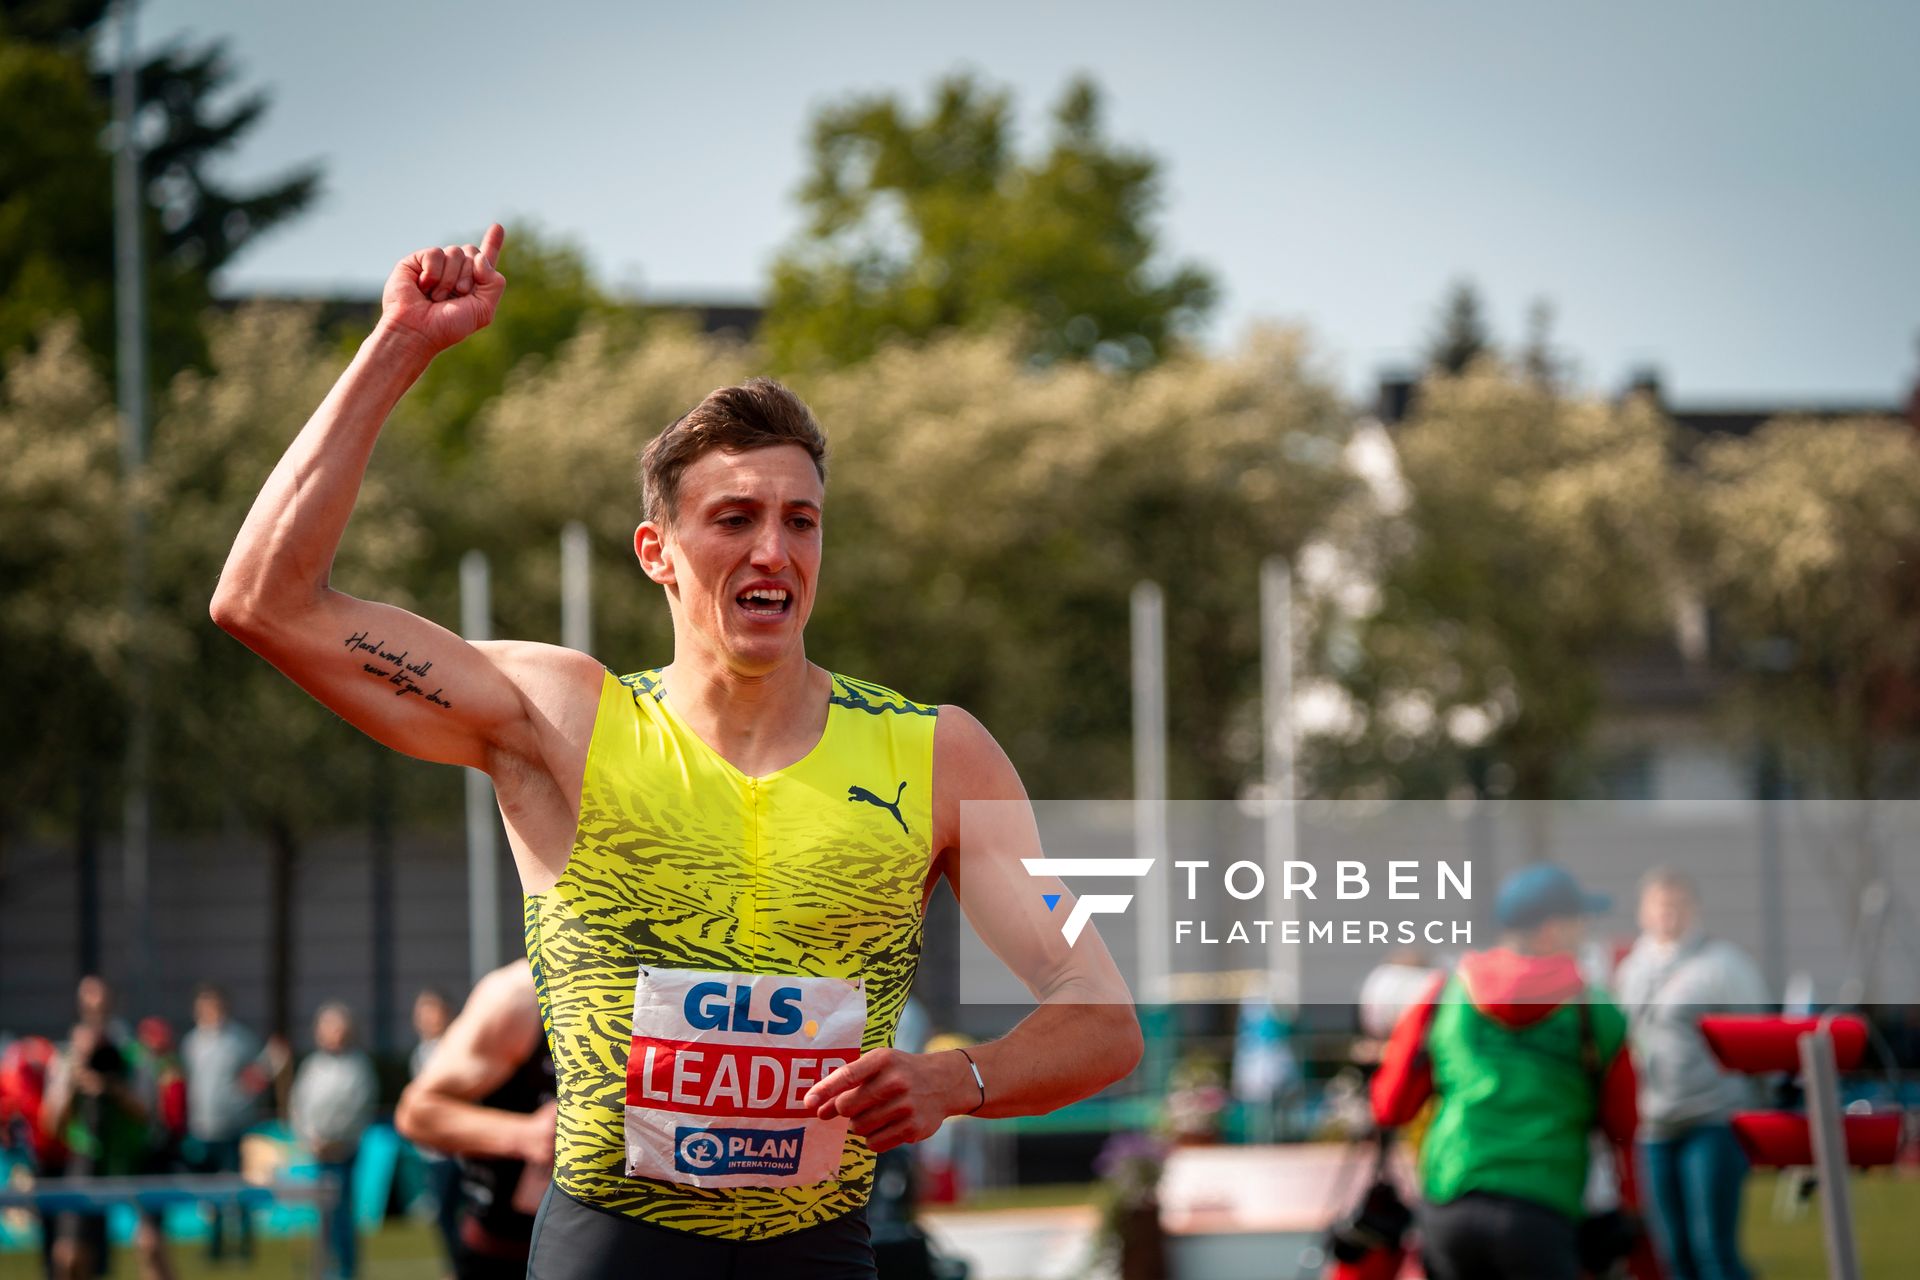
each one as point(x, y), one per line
point(394, 669)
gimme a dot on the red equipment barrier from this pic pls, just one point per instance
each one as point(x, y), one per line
point(1756, 1043)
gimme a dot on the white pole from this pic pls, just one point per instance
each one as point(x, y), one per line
point(130, 355)
point(1821, 1079)
point(483, 861)
point(1281, 829)
point(576, 596)
point(1150, 783)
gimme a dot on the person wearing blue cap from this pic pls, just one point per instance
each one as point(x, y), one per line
point(1525, 1060)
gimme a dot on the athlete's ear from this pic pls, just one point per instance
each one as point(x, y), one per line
point(650, 547)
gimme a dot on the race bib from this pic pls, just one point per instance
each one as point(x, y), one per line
point(721, 1063)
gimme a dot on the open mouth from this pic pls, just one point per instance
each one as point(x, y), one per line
point(765, 602)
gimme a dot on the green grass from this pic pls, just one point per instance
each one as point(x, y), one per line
point(1886, 1214)
point(402, 1250)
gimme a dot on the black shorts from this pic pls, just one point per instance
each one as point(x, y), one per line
point(1489, 1237)
point(575, 1241)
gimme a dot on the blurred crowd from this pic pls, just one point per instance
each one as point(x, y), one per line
point(1497, 1068)
point(116, 1100)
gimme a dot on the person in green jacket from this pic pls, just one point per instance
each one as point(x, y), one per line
point(1525, 1061)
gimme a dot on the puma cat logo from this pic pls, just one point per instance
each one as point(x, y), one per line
point(864, 796)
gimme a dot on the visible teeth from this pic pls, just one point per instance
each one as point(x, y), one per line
point(768, 596)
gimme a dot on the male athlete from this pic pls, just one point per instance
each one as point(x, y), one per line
point(726, 860)
point(485, 1096)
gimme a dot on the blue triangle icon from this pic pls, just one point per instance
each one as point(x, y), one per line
point(1051, 899)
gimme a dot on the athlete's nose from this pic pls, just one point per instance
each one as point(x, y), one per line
point(770, 548)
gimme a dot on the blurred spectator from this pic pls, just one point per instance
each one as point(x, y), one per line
point(167, 1127)
point(227, 1071)
point(24, 1067)
point(431, 1015)
point(279, 1060)
point(99, 1102)
point(1521, 1056)
point(163, 1088)
point(332, 1104)
point(487, 1095)
point(1392, 987)
point(1694, 1167)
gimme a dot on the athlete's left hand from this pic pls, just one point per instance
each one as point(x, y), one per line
point(892, 1097)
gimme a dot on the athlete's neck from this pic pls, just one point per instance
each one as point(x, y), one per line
point(758, 723)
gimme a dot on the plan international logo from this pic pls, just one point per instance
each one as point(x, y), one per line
point(1092, 904)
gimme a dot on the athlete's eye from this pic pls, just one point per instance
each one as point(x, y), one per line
point(733, 521)
point(803, 522)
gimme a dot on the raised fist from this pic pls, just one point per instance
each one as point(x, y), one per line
point(443, 295)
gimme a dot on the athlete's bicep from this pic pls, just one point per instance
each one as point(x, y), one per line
point(987, 831)
point(408, 683)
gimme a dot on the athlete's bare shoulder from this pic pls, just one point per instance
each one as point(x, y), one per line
point(968, 764)
point(560, 691)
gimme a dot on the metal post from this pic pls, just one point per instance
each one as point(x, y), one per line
point(1150, 782)
point(1150, 826)
point(1280, 826)
point(380, 896)
point(1821, 1078)
point(130, 355)
point(483, 859)
point(576, 595)
point(1773, 907)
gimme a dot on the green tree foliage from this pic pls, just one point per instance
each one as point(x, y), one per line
point(1539, 537)
point(56, 207)
point(238, 737)
point(921, 223)
point(62, 622)
point(1808, 532)
point(1462, 336)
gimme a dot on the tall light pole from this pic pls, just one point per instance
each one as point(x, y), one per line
point(1150, 783)
point(130, 351)
point(576, 589)
point(483, 857)
point(1281, 829)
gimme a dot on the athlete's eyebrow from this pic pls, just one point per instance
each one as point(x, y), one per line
point(746, 500)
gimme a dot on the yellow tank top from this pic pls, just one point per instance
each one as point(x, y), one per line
point(682, 862)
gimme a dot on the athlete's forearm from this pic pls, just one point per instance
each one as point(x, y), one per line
point(1059, 1053)
point(469, 1129)
point(282, 557)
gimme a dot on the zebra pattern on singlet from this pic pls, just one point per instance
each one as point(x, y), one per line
point(682, 861)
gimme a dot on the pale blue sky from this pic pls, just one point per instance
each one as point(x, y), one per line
point(1730, 191)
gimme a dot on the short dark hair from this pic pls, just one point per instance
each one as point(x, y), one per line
point(756, 414)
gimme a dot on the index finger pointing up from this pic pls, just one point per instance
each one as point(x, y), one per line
point(491, 242)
